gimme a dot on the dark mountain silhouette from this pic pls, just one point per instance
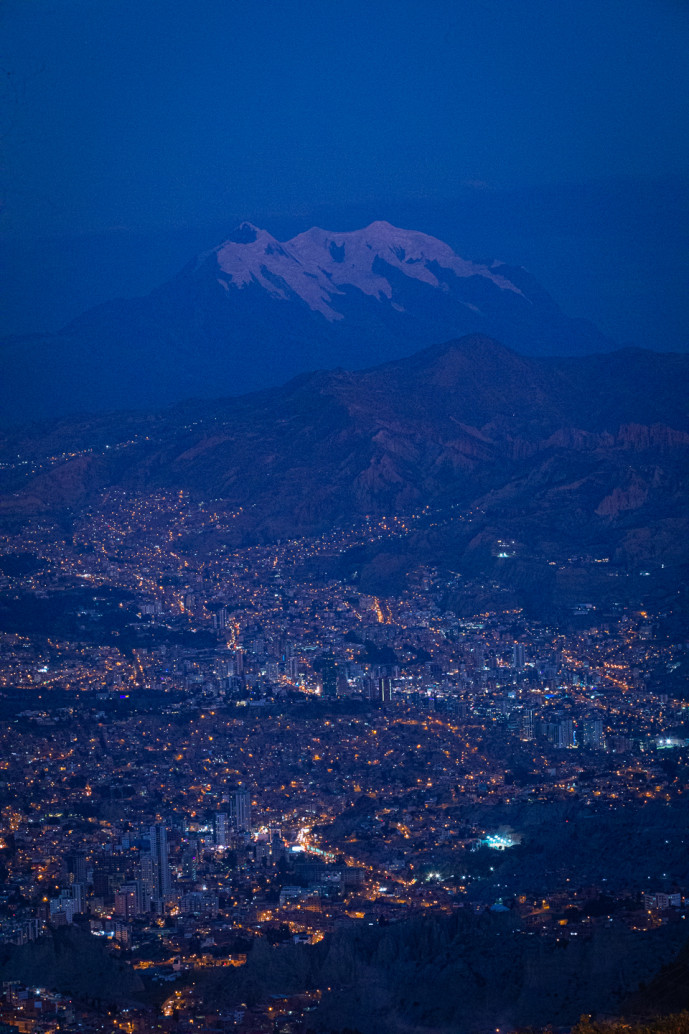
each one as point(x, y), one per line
point(451, 973)
point(72, 962)
point(667, 992)
point(254, 311)
point(563, 456)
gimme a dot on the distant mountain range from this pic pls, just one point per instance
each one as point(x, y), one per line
point(564, 458)
point(255, 311)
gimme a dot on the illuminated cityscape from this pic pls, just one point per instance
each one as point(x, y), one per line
point(344, 517)
point(204, 749)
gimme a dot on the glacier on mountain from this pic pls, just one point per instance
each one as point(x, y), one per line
point(319, 265)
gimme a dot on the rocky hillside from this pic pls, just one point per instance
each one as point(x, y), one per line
point(561, 457)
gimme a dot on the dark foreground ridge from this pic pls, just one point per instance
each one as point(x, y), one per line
point(558, 456)
point(443, 974)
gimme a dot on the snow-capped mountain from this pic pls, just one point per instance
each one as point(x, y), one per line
point(317, 266)
point(255, 311)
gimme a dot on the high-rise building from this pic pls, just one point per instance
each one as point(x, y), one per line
point(551, 731)
point(159, 855)
point(221, 829)
point(220, 618)
point(385, 689)
point(190, 864)
point(369, 687)
point(148, 878)
point(127, 901)
point(78, 894)
point(527, 725)
point(329, 677)
point(292, 667)
point(518, 657)
point(565, 734)
point(63, 909)
point(75, 864)
point(592, 734)
point(240, 811)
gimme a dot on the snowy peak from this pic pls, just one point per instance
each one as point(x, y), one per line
point(319, 265)
point(245, 233)
point(255, 311)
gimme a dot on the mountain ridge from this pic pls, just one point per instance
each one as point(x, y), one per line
point(250, 313)
point(523, 444)
point(315, 264)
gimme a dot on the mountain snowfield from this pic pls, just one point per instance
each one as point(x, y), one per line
point(316, 265)
point(254, 312)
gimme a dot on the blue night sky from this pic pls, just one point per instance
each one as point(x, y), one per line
point(547, 133)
